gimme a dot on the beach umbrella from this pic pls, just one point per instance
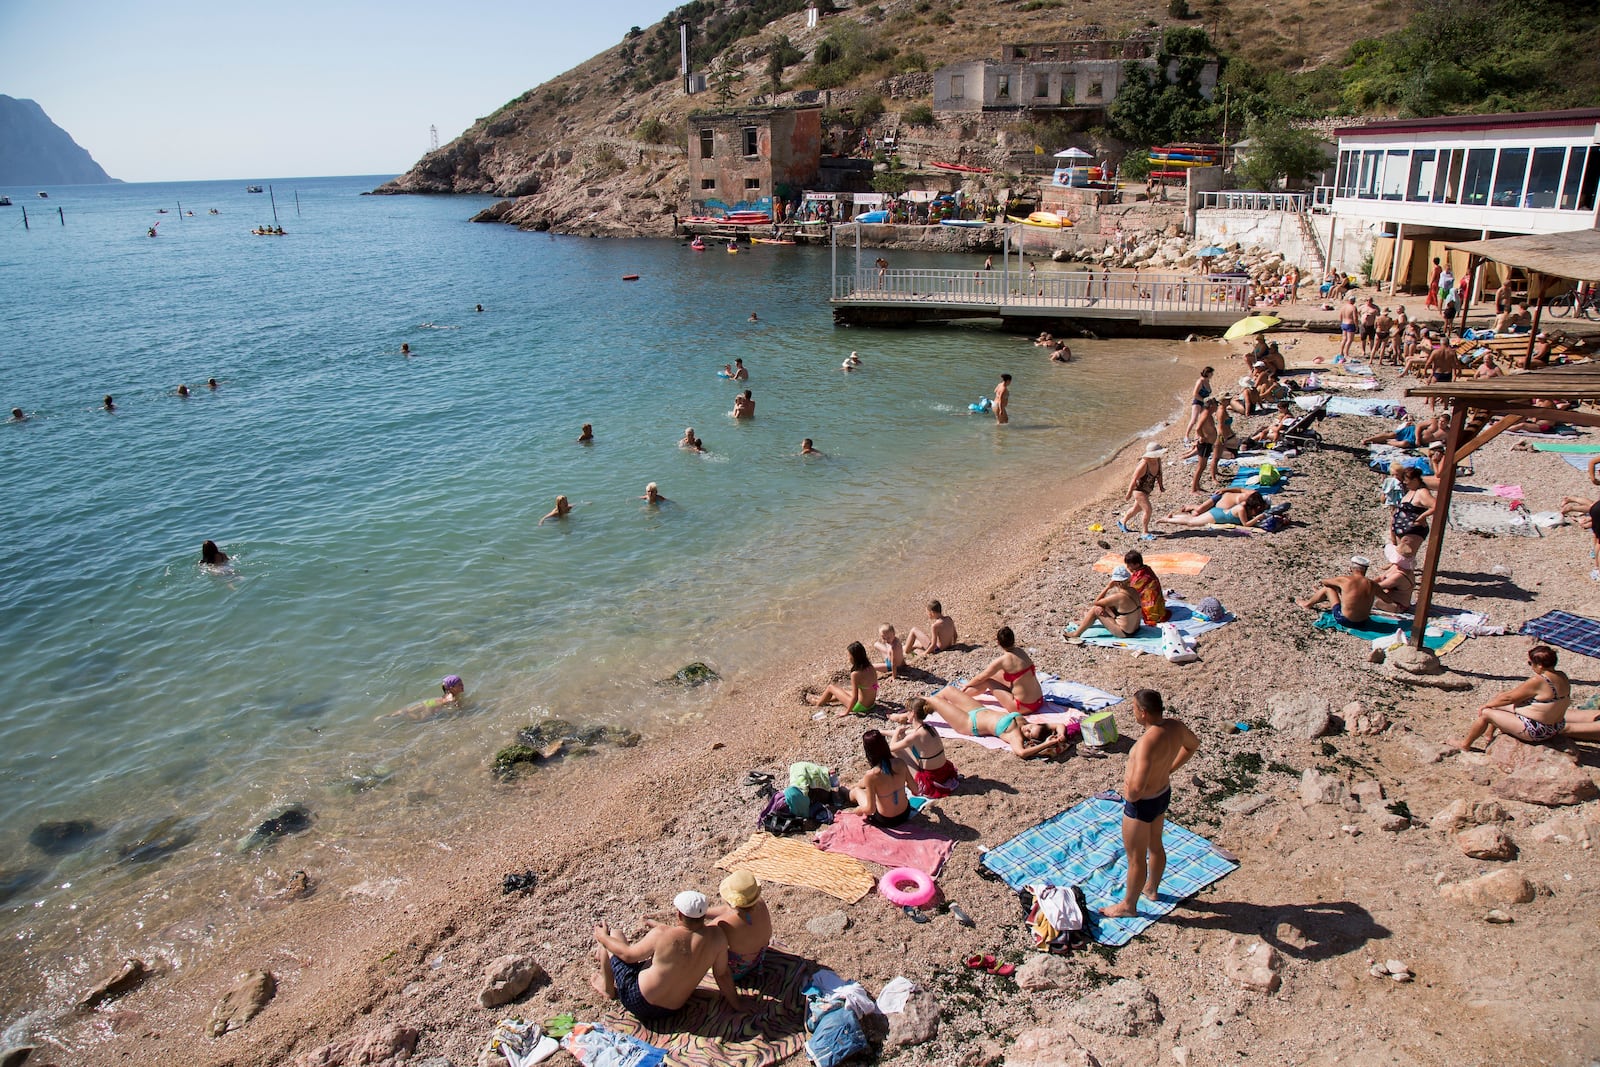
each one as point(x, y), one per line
point(1073, 153)
point(1210, 251)
point(1248, 326)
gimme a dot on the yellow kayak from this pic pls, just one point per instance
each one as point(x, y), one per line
point(1047, 218)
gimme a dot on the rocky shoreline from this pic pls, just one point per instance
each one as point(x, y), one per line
point(1384, 883)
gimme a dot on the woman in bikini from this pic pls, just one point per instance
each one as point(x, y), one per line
point(969, 718)
point(920, 745)
point(1011, 677)
point(1247, 512)
point(1116, 608)
point(1534, 711)
point(884, 793)
point(862, 695)
point(1146, 480)
point(1197, 401)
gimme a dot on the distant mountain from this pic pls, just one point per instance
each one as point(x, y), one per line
point(35, 151)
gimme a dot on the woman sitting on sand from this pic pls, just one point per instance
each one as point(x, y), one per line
point(1116, 608)
point(862, 696)
point(1247, 512)
point(1011, 677)
point(921, 746)
point(969, 718)
point(1534, 711)
point(884, 793)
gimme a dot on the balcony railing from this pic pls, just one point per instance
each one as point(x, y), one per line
point(1237, 201)
point(1100, 289)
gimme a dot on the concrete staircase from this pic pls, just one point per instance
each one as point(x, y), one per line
point(1319, 259)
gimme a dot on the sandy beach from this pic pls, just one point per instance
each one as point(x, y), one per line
point(614, 835)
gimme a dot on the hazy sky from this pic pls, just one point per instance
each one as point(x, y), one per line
point(179, 89)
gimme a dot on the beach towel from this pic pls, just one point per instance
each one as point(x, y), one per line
point(1350, 405)
point(1578, 447)
point(1082, 846)
point(1561, 432)
point(1578, 460)
point(1509, 492)
point(1490, 517)
point(1245, 479)
point(1381, 626)
point(1565, 630)
point(1186, 563)
point(914, 844)
point(1190, 624)
point(1256, 459)
point(706, 1033)
point(598, 1045)
point(795, 861)
point(1075, 694)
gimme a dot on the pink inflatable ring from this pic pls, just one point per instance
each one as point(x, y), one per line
point(907, 887)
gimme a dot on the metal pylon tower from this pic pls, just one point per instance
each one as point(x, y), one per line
point(433, 138)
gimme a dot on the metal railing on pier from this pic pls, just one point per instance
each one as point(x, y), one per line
point(1238, 201)
point(1103, 290)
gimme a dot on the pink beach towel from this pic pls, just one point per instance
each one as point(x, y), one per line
point(1056, 714)
point(1509, 492)
point(911, 845)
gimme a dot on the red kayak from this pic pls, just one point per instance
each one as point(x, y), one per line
point(962, 167)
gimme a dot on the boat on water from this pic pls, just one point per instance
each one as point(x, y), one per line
point(254, 189)
point(43, 195)
point(698, 245)
point(5, 201)
point(268, 231)
point(960, 168)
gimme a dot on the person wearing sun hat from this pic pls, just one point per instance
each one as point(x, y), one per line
point(1146, 480)
point(745, 922)
point(1347, 597)
point(656, 975)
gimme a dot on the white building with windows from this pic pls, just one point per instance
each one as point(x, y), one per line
point(1405, 186)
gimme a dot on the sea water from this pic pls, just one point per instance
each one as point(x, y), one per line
point(382, 512)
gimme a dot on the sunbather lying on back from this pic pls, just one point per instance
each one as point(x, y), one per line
point(1247, 512)
point(969, 718)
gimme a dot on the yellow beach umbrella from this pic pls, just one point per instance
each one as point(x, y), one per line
point(1253, 324)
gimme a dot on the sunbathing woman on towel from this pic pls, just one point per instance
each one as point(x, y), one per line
point(862, 696)
point(1247, 512)
point(921, 746)
point(883, 794)
point(971, 719)
point(1011, 677)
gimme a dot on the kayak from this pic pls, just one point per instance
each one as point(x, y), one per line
point(967, 224)
point(962, 168)
point(1047, 218)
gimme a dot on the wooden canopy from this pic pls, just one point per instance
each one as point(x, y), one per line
point(1507, 400)
point(1570, 256)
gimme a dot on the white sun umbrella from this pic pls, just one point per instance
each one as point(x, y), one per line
point(1073, 153)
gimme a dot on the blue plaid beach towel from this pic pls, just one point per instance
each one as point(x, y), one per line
point(1147, 639)
point(1082, 846)
point(1565, 630)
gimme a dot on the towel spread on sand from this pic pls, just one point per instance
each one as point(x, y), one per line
point(1148, 638)
point(1579, 460)
point(915, 845)
point(1075, 694)
point(707, 1033)
point(1256, 459)
point(1490, 517)
point(1565, 630)
point(1509, 492)
point(1187, 563)
point(1379, 626)
point(1082, 846)
point(1581, 447)
point(1247, 480)
point(1561, 432)
point(795, 861)
point(1350, 405)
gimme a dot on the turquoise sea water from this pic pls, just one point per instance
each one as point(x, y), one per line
point(382, 512)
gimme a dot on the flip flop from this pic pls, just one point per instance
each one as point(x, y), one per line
point(915, 914)
point(980, 963)
point(1123, 526)
point(757, 778)
point(961, 917)
point(1004, 970)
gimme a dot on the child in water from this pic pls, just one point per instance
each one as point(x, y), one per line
point(455, 695)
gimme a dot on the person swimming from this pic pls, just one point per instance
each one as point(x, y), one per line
point(211, 555)
point(17, 415)
point(587, 436)
point(560, 511)
point(653, 496)
point(808, 449)
point(455, 695)
point(109, 403)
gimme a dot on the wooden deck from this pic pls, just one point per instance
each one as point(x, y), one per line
point(1107, 302)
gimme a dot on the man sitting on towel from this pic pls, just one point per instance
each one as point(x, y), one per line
point(1349, 596)
point(655, 976)
point(1147, 587)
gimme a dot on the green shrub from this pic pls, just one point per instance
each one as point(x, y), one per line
point(917, 115)
point(1178, 9)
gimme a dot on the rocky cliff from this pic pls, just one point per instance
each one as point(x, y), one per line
point(35, 151)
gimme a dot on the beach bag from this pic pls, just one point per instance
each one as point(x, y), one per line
point(1211, 609)
point(1267, 474)
point(776, 818)
point(1174, 647)
point(1099, 729)
point(836, 1038)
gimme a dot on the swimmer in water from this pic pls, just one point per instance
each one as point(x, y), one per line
point(739, 373)
point(691, 442)
point(405, 348)
point(560, 511)
point(587, 436)
point(744, 407)
point(653, 495)
point(480, 309)
point(854, 360)
point(808, 449)
point(727, 370)
point(211, 555)
point(455, 695)
point(17, 415)
point(211, 383)
point(183, 391)
point(108, 403)
point(753, 317)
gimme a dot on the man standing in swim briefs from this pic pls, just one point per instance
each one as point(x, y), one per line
point(656, 975)
point(1002, 396)
point(1166, 745)
point(1348, 316)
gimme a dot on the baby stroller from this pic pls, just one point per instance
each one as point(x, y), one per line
point(1300, 432)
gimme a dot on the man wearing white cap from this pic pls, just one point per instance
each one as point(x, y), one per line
point(745, 922)
point(655, 976)
point(1349, 596)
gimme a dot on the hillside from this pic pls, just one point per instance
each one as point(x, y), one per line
point(35, 151)
point(600, 148)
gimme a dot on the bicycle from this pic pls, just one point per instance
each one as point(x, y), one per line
point(1585, 303)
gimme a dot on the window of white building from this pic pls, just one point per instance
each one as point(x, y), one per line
point(1475, 181)
point(1393, 186)
point(1544, 177)
point(1509, 176)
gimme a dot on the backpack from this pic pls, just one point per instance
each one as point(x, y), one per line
point(1099, 728)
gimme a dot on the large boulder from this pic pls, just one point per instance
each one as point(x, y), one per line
point(250, 993)
point(1486, 843)
point(916, 1023)
point(1492, 890)
point(1048, 1048)
point(1044, 971)
point(1461, 814)
point(1319, 788)
point(1564, 830)
point(1510, 754)
point(1552, 783)
point(387, 1046)
point(507, 978)
point(1303, 715)
point(1122, 1009)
